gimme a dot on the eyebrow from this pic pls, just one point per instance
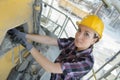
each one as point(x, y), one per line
point(85, 30)
point(88, 31)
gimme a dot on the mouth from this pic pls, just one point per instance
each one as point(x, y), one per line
point(78, 41)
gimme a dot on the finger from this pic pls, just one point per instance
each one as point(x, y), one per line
point(12, 31)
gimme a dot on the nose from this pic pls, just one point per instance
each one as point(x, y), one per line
point(80, 35)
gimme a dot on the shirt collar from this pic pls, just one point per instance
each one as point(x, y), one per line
point(84, 52)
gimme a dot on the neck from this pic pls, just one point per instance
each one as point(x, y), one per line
point(80, 49)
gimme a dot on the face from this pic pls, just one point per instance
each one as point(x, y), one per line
point(84, 38)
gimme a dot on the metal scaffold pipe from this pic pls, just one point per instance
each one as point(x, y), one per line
point(37, 10)
point(98, 9)
point(105, 64)
point(109, 71)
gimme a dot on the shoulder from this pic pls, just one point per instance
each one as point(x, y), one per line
point(64, 42)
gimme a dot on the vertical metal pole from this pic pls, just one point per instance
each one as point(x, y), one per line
point(20, 54)
point(112, 12)
point(13, 57)
point(115, 21)
point(49, 13)
point(63, 27)
point(98, 9)
point(94, 74)
point(37, 10)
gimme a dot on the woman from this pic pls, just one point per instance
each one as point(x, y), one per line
point(75, 59)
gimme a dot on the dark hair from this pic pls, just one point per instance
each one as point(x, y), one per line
point(96, 36)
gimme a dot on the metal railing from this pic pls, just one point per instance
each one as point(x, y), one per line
point(62, 30)
point(106, 74)
point(62, 27)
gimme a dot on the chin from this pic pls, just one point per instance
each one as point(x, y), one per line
point(77, 45)
point(80, 47)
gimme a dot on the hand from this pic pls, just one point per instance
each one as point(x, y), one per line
point(17, 33)
point(19, 37)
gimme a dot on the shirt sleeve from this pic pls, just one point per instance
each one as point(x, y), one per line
point(64, 42)
point(76, 69)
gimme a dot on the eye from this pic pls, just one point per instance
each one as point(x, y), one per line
point(87, 34)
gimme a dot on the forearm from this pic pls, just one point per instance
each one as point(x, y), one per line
point(42, 39)
point(45, 63)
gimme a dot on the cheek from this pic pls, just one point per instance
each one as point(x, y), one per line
point(77, 44)
point(85, 44)
point(78, 41)
point(88, 43)
point(76, 35)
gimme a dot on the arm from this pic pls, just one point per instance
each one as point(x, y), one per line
point(42, 39)
point(45, 63)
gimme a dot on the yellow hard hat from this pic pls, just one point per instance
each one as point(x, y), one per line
point(93, 22)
